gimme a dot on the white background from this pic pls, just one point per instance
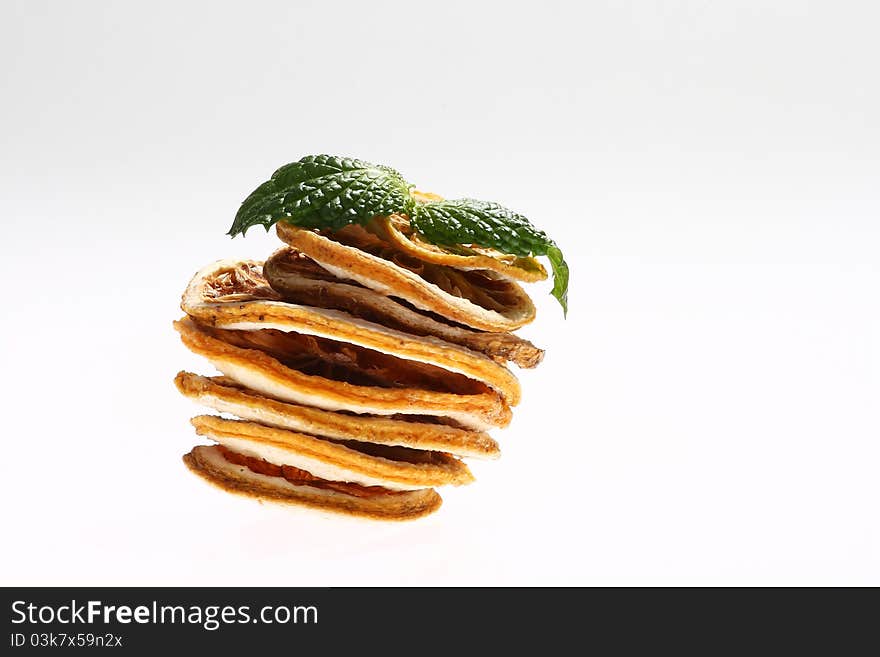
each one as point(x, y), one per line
point(708, 414)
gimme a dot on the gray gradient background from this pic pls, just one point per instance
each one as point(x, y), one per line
point(707, 414)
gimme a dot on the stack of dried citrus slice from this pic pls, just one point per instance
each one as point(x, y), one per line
point(361, 365)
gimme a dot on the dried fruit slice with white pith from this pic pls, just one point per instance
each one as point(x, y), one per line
point(393, 468)
point(479, 299)
point(209, 463)
point(251, 366)
point(225, 396)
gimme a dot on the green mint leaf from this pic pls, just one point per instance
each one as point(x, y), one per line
point(468, 221)
point(560, 277)
point(324, 191)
